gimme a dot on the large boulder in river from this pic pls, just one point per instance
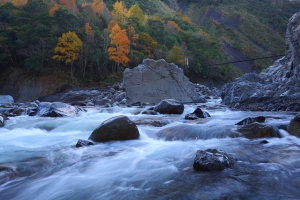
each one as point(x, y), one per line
point(153, 81)
point(274, 86)
point(116, 128)
point(259, 130)
point(169, 106)
point(212, 160)
point(56, 109)
point(294, 126)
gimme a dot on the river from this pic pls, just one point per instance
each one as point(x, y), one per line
point(39, 160)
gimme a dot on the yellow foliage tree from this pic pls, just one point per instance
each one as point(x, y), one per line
point(19, 2)
point(186, 20)
point(111, 24)
point(98, 6)
point(67, 48)
point(119, 41)
point(176, 55)
point(52, 10)
point(133, 37)
point(136, 11)
point(120, 13)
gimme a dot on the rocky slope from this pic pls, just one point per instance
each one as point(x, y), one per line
point(279, 85)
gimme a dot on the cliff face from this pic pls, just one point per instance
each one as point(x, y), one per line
point(282, 79)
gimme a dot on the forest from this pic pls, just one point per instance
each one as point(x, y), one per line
point(96, 40)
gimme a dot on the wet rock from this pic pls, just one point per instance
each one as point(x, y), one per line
point(56, 109)
point(198, 113)
point(169, 106)
point(149, 112)
point(258, 130)
point(251, 120)
point(83, 143)
point(155, 80)
point(212, 160)
point(264, 142)
point(79, 97)
point(152, 122)
point(294, 126)
point(116, 128)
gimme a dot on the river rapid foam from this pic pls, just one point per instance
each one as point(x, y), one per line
point(40, 161)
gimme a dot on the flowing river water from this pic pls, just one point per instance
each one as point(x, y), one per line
point(39, 161)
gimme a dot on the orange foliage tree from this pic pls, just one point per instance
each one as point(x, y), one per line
point(89, 32)
point(70, 5)
point(186, 20)
point(98, 6)
point(111, 24)
point(52, 10)
point(19, 2)
point(172, 27)
point(119, 41)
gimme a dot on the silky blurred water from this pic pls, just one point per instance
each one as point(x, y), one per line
point(42, 163)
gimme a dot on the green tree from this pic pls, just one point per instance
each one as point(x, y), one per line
point(67, 48)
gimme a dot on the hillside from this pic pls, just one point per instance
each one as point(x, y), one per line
point(107, 36)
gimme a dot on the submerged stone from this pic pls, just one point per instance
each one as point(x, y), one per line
point(83, 143)
point(212, 160)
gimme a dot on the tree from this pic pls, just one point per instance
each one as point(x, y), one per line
point(120, 12)
point(136, 12)
point(186, 20)
point(89, 32)
point(176, 55)
point(98, 6)
point(53, 9)
point(119, 41)
point(146, 40)
point(19, 2)
point(172, 27)
point(67, 48)
point(70, 5)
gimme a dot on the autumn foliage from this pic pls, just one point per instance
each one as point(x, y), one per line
point(119, 50)
point(172, 27)
point(89, 32)
point(53, 9)
point(70, 5)
point(67, 48)
point(19, 2)
point(98, 6)
point(186, 20)
point(120, 13)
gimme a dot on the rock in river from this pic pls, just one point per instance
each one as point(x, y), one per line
point(212, 160)
point(56, 109)
point(116, 128)
point(198, 113)
point(169, 106)
point(258, 130)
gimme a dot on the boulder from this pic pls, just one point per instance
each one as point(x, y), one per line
point(6, 99)
point(198, 113)
point(169, 106)
point(56, 109)
point(116, 128)
point(251, 120)
point(212, 160)
point(155, 80)
point(258, 130)
point(294, 126)
point(79, 97)
point(84, 143)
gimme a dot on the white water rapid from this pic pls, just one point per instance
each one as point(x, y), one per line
point(39, 161)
